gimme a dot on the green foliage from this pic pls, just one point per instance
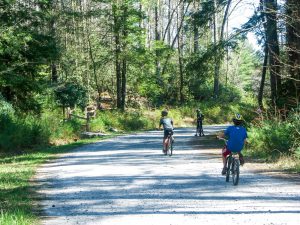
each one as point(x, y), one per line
point(18, 133)
point(70, 94)
point(61, 131)
point(230, 94)
point(66, 131)
point(294, 119)
point(134, 121)
point(25, 48)
point(274, 138)
point(6, 109)
point(129, 121)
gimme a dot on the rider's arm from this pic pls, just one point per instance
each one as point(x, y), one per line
point(172, 124)
point(160, 123)
point(221, 135)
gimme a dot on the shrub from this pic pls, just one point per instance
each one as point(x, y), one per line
point(18, 133)
point(134, 121)
point(273, 138)
point(61, 131)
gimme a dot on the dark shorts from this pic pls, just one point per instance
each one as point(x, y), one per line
point(167, 133)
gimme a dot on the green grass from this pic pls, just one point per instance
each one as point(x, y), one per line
point(16, 193)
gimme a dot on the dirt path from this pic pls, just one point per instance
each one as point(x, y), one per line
point(127, 181)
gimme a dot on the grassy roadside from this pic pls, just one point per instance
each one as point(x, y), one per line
point(285, 163)
point(16, 199)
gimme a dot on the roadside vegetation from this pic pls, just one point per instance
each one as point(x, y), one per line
point(58, 60)
point(17, 198)
point(276, 140)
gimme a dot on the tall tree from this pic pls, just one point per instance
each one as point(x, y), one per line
point(26, 48)
point(273, 49)
point(219, 41)
point(293, 50)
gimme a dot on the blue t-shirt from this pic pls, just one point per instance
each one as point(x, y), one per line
point(237, 136)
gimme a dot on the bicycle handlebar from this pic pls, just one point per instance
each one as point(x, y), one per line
point(220, 138)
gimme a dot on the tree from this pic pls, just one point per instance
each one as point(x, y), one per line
point(270, 7)
point(26, 48)
point(71, 94)
point(293, 51)
point(219, 41)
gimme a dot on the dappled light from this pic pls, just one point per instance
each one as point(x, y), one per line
point(128, 178)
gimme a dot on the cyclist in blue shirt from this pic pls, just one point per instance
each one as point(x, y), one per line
point(237, 136)
point(167, 124)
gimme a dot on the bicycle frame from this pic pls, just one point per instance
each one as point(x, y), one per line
point(233, 168)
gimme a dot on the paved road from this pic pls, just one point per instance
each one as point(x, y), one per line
point(127, 181)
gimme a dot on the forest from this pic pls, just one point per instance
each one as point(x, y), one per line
point(128, 59)
point(111, 66)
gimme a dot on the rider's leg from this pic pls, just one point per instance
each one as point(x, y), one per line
point(225, 153)
point(201, 129)
point(164, 144)
point(242, 161)
point(197, 129)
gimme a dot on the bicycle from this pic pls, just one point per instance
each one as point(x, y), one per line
point(169, 145)
point(232, 166)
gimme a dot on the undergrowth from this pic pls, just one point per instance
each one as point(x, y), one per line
point(276, 139)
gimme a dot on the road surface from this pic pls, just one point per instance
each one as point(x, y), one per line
point(127, 181)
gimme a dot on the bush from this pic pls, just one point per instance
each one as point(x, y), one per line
point(18, 133)
point(295, 123)
point(134, 121)
point(61, 131)
point(274, 138)
point(128, 121)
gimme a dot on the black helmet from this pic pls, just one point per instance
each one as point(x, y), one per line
point(164, 113)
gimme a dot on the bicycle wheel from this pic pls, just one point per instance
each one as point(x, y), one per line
point(228, 164)
point(236, 171)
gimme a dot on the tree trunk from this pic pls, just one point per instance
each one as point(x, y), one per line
point(124, 60)
point(54, 75)
point(263, 78)
point(293, 51)
point(196, 30)
point(218, 56)
point(157, 39)
point(124, 71)
point(175, 38)
point(117, 57)
point(273, 49)
point(99, 89)
point(180, 52)
point(169, 19)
